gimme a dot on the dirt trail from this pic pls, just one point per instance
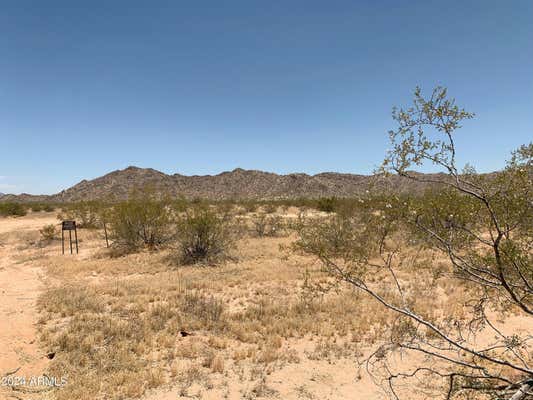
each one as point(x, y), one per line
point(20, 285)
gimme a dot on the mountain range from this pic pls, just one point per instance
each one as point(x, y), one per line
point(236, 184)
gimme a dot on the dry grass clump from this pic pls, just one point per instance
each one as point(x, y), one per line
point(122, 334)
point(68, 301)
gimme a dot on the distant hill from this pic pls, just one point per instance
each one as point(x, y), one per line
point(236, 184)
point(25, 197)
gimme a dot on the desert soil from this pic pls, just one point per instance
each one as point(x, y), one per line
point(20, 285)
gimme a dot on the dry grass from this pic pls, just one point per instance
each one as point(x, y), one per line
point(122, 326)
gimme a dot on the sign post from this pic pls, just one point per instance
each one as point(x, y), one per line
point(105, 233)
point(69, 226)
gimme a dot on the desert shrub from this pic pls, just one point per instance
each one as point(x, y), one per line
point(270, 208)
point(226, 208)
point(341, 238)
point(12, 209)
point(352, 206)
point(85, 213)
point(326, 204)
point(48, 207)
point(267, 225)
point(48, 232)
point(140, 221)
point(205, 236)
point(250, 206)
point(180, 204)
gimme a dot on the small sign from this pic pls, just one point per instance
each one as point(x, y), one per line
point(68, 225)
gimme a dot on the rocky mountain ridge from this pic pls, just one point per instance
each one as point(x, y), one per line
point(236, 184)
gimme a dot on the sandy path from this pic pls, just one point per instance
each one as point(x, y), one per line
point(20, 285)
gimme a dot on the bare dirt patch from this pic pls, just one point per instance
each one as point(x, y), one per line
point(20, 286)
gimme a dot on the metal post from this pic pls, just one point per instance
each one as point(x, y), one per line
point(76, 235)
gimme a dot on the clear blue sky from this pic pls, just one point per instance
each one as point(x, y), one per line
point(200, 87)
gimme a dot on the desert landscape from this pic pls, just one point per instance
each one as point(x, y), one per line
point(244, 200)
point(417, 290)
point(268, 319)
point(400, 285)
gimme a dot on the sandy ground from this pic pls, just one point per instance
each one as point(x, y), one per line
point(20, 285)
point(315, 380)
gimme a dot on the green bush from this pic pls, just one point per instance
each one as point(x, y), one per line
point(140, 221)
point(180, 204)
point(204, 236)
point(48, 208)
point(12, 209)
point(36, 208)
point(48, 232)
point(326, 204)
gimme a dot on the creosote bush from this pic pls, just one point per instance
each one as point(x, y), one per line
point(12, 209)
point(141, 221)
point(48, 232)
point(326, 204)
point(204, 236)
point(38, 207)
point(48, 208)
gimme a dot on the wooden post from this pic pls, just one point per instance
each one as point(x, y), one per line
point(70, 240)
point(105, 233)
point(62, 241)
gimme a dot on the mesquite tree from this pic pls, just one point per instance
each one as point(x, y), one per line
point(482, 224)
